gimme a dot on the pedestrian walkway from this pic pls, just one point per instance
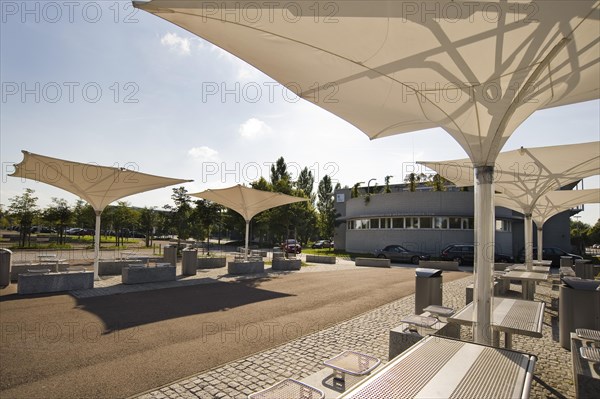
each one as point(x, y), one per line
point(368, 333)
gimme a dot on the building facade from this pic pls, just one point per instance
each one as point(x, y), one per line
point(428, 221)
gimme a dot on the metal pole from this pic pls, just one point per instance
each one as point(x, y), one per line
point(528, 242)
point(540, 242)
point(97, 245)
point(484, 245)
point(246, 247)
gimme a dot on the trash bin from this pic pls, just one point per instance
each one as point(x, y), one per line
point(428, 288)
point(578, 307)
point(5, 263)
point(170, 254)
point(584, 269)
point(189, 262)
point(566, 261)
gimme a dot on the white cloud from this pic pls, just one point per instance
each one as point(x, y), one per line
point(203, 153)
point(176, 43)
point(254, 128)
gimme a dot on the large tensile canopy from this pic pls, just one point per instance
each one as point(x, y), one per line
point(549, 205)
point(97, 185)
point(248, 202)
point(475, 69)
point(526, 174)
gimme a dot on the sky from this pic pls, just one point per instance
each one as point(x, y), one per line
point(102, 82)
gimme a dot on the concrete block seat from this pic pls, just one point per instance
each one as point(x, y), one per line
point(286, 264)
point(327, 259)
point(43, 281)
point(139, 274)
point(373, 262)
point(249, 267)
point(586, 374)
point(440, 264)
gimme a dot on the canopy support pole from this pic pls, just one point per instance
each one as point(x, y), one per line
point(97, 245)
point(540, 231)
point(528, 242)
point(484, 254)
point(246, 247)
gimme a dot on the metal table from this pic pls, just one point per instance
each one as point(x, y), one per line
point(289, 389)
point(350, 362)
point(439, 367)
point(528, 280)
point(510, 316)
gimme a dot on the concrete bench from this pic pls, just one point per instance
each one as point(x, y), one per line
point(406, 335)
point(250, 267)
point(38, 283)
point(139, 274)
point(114, 267)
point(585, 376)
point(286, 264)
point(373, 262)
point(212, 263)
point(321, 259)
point(440, 264)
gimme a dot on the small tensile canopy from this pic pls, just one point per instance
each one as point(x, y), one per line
point(97, 185)
point(248, 202)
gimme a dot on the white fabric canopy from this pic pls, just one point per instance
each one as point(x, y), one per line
point(549, 205)
point(526, 174)
point(97, 185)
point(475, 69)
point(248, 202)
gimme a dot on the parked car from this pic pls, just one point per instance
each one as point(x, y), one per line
point(549, 253)
point(323, 244)
point(464, 254)
point(291, 246)
point(42, 229)
point(400, 254)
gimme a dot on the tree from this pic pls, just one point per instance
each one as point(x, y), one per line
point(148, 221)
point(59, 214)
point(413, 179)
point(579, 235)
point(279, 172)
point(387, 188)
point(180, 213)
point(206, 214)
point(121, 217)
point(326, 208)
point(83, 214)
point(594, 233)
point(354, 192)
point(305, 183)
point(24, 209)
point(438, 182)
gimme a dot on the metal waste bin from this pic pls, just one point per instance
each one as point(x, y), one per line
point(428, 288)
point(578, 307)
point(5, 263)
point(189, 262)
point(584, 269)
point(170, 254)
point(566, 261)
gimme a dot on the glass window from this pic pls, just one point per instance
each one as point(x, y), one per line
point(425, 223)
point(456, 223)
point(397, 223)
point(412, 223)
point(440, 222)
point(350, 224)
point(374, 223)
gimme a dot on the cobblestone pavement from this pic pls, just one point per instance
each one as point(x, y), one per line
point(369, 333)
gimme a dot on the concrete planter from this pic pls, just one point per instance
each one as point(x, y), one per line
point(439, 264)
point(373, 262)
point(15, 270)
point(37, 283)
point(139, 275)
point(246, 267)
point(321, 259)
point(212, 263)
point(286, 264)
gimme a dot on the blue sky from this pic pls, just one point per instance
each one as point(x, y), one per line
point(101, 82)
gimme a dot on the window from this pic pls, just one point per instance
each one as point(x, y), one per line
point(397, 223)
point(411, 223)
point(362, 224)
point(425, 223)
point(374, 223)
point(385, 223)
point(456, 223)
point(440, 222)
point(503, 225)
point(350, 224)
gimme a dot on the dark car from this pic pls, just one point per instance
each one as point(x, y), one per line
point(549, 253)
point(291, 246)
point(464, 254)
point(322, 244)
point(401, 254)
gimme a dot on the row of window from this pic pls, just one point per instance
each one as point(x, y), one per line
point(420, 222)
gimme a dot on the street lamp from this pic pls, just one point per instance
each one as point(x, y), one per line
point(368, 184)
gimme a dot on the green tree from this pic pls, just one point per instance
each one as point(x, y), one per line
point(579, 235)
point(148, 222)
point(206, 214)
point(413, 179)
point(326, 208)
point(279, 172)
point(24, 209)
point(305, 182)
point(59, 214)
point(438, 182)
point(387, 188)
point(354, 193)
point(594, 233)
point(180, 214)
point(84, 215)
point(121, 217)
